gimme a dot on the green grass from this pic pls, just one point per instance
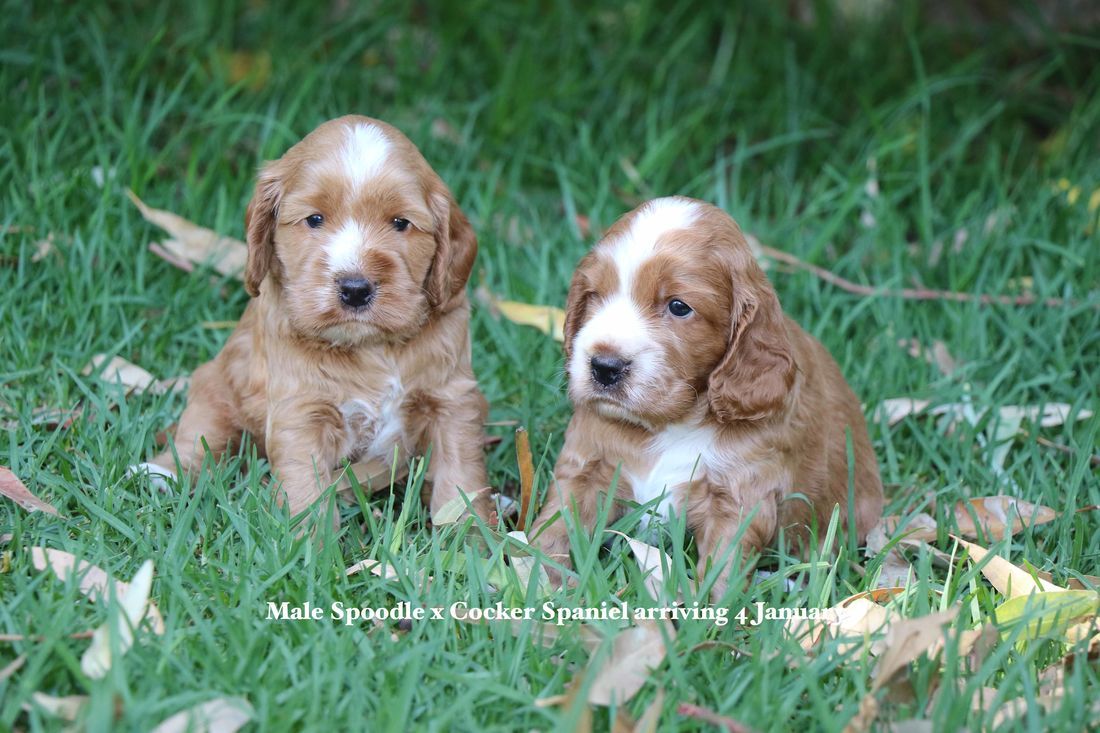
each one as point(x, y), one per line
point(556, 111)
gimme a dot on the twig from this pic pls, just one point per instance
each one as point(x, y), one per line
point(709, 716)
point(1094, 460)
point(526, 475)
point(24, 637)
point(912, 293)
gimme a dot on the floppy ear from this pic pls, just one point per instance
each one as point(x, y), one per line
point(576, 305)
point(758, 369)
point(455, 250)
point(259, 226)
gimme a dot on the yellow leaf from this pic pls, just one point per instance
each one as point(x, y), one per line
point(1046, 613)
point(546, 318)
point(1010, 580)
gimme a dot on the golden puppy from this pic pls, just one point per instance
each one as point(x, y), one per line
point(687, 378)
point(355, 345)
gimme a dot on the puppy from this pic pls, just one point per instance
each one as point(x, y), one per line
point(687, 378)
point(355, 345)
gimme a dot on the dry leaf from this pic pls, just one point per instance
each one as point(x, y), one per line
point(374, 567)
point(652, 715)
point(546, 318)
point(653, 561)
point(526, 475)
point(196, 244)
point(96, 661)
point(43, 248)
point(906, 640)
point(93, 579)
point(455, 509)
point(938, 355)
point(524, 566)
point(896, 409)
point(13, 667)
point(66, 708)
point(999, 516)
point(1010, 580)
point(635, 652)
point(14, 489)
point(131, 376)
point(220, 715)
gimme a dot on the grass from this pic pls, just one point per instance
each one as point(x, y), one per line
point(534, 114)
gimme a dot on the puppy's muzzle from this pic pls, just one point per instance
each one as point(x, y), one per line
point(607, 371)
point(356, 292)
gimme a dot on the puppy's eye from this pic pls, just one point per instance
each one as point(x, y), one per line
point(313, 221)
point(679, 308)
point(400, 224)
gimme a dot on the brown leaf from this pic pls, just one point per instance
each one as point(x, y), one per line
point(906, 640)
point(14, 489)
point(195, 244)
point(937, 355)
point(14, 666)
point(526, 475)
point(66, 708)
point(635, 652)
point(709, 716)
point(1010, 580)
point(998, 516)
point(93, 580)
point(131, 376)
point(220, 715)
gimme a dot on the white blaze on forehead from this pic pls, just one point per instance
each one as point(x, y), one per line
point(637, 245)
point(342, 251)
point(364, 153)
point(620, 322)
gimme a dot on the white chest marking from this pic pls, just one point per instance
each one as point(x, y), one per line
point(375, 425)
point(682, 454)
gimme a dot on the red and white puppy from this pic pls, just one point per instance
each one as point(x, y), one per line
point(356, 343)
point(686, 376)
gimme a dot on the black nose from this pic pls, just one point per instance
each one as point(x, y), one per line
point(608, 370)
point(355, 292)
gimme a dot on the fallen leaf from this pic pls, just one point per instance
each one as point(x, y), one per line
point(635, 652)
point(220, 715)
point(526, 475)
point(653, 561)
point(131, 376)
point(652, 714)
point(546, 318)
point(455, 509)
point(14, 489)
point(132, 608)
point(66, 708)
point(374, 567)
point(43, 248)
point(896, 409)
point(999, 516)
point(1010, 580)
point(196, 244)
point(722, 722)
point(524, 567)
point(93, 580)
point(937, 356)
point(14, 666)
point(1046, 613)
point(906, 640)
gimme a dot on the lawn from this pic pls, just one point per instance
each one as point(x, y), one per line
point(892, 151)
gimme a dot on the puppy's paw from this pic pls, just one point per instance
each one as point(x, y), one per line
point(161, 478)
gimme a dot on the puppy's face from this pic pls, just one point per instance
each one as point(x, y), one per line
point(671, 309)
point(357, 234)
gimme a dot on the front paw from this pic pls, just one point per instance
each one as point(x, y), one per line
point(162, 479)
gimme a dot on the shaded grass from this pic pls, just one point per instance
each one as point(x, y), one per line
point(555, 111)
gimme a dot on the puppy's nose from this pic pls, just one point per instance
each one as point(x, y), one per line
point(355, 292)
point(608, 370)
